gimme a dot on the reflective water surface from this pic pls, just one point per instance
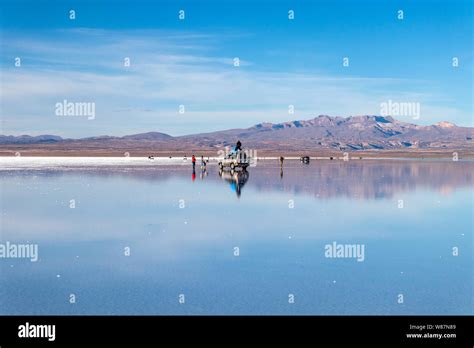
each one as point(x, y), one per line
point(243, 242)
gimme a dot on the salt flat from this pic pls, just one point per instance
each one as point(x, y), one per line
point(43, 162)
point(23, 162)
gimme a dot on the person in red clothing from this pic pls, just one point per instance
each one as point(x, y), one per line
point(194, 161)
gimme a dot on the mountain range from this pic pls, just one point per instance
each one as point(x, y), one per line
point(322, 132)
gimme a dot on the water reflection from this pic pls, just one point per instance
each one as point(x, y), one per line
point(236, 179)
point(183, 233)
point(362, 179)
point(204, 172)
point(358, 179)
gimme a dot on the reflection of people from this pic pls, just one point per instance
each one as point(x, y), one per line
point(236, 179)
point(193, 175)
point(281, 173)
point(203, 169)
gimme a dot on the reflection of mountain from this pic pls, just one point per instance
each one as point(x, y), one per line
point(366, 179)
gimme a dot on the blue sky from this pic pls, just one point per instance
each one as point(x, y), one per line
point(190, 63)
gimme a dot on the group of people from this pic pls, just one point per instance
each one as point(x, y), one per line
point(203, 167)
point(203, 162)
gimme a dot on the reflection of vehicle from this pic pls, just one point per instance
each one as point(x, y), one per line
point(237, 179)
point(234, 160)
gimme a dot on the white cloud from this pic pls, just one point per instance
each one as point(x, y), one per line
point(166, 71)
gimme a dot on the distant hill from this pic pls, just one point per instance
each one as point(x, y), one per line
point(27, 139)
point(322, 132)
point(351, 133)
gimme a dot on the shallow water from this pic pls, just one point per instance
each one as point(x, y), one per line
point(182, 231)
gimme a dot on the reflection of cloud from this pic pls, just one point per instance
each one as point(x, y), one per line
point(168, 69)
point(15, 226)
point(151, 220)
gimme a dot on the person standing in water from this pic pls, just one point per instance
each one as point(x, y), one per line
point(193, 160)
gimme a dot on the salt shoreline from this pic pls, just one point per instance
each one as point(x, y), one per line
point(40, 162)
